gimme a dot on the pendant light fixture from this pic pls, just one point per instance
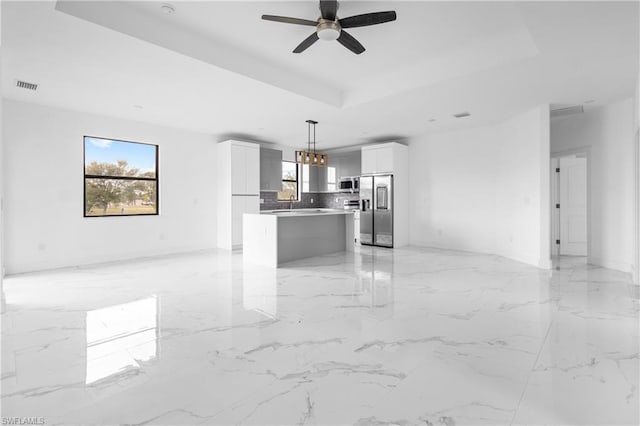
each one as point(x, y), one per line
point(310, 156)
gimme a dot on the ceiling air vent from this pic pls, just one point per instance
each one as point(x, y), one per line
point(461, 114)
point(562, 111)
point(26, 85)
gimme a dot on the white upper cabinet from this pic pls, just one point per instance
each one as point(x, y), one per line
point(368, 164)
point(384, 159)
point(378, 158)
point(245, 169)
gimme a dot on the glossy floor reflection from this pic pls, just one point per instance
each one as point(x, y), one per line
point(404, 336)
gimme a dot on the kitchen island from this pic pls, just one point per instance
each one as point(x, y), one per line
point(274, 237)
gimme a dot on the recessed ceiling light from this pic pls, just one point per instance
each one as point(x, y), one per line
point(590, 101)
point(167, 8)
point(138, 106)
point(432, 120)
point(462, 114)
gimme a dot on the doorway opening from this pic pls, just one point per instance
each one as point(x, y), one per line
point(569, 205)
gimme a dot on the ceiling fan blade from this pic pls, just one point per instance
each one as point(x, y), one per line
point(350, 43)
point(306, 43)
point(368, 19)
point(328, 9)
point(288, 20)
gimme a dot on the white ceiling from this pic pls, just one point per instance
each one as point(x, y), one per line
point(216, 67)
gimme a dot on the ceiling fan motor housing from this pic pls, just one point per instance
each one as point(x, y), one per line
point(329, 27)
point(328, 30)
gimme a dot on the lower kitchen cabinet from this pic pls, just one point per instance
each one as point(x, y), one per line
point(241, 204)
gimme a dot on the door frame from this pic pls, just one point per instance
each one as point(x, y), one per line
point(583, 151)
point(636, 268)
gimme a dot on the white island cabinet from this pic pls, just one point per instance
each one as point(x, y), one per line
point(272, 238)
point(238, 189)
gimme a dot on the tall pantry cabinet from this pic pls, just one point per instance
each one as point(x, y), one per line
point(238, 189)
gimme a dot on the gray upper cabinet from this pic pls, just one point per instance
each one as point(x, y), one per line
point(347, 164)
point(270, 169)
point(317, 179)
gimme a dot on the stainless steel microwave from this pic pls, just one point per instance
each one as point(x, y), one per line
point(349, 184)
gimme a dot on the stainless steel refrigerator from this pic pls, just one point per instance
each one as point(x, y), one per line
point(376, 210)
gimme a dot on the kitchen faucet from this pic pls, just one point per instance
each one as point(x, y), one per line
point(291, 198)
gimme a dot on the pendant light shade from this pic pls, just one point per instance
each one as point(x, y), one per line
point(310, 156)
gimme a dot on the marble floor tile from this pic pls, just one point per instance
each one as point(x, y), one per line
point(371, 337)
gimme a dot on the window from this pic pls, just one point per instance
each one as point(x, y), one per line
point(120, 178)
point(289, 181)
point(331, 179)
point(305, 178)
point(332, 184)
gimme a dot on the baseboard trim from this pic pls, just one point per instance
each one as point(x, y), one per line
point(528, 260)
point(87, 263)
point(610, 264)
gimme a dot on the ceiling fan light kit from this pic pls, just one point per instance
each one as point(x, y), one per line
point(329, 27)
point(328, 30)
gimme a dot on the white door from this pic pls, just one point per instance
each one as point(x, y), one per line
point(238, 170)
point(241, 204)
point(252, 170)
point(573, 206)
point(237, 209)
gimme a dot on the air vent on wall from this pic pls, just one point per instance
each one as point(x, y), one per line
point(26, 85)
point(461, 114)
point(559, 112)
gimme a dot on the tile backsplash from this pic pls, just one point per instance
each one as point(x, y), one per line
point(326, 200)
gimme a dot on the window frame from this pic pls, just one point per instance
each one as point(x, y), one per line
point(296, 181)
point(335, 180)
point(155, 179)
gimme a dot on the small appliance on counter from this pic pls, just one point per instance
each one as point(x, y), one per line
point(350, 184)
point(351, 204)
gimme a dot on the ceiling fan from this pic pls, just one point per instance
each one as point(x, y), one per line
point(329, 27)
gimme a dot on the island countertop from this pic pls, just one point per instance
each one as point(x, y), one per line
point(305, 212)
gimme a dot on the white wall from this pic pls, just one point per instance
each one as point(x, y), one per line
point(608, 133)
point(636, 127)
point(484, 189)
point(2, 268)
point(523, 189)
point(44, 222)
point(452, 184)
